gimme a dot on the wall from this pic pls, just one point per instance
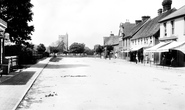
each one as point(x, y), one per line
point(143, 42)
point(179, 29)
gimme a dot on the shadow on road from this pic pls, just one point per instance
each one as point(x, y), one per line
point(20, 79)
point(55, 59)
point(50, 66)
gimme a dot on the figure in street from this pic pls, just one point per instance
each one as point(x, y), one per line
point(136, 59)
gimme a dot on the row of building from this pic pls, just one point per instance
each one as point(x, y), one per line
point(159, 40)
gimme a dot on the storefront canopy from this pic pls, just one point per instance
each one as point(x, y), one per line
point(171, 45)
point(136, 48)
point(154, 48)
point(180, 48)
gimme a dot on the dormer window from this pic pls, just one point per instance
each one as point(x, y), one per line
point(165, 31)
point(172, 24)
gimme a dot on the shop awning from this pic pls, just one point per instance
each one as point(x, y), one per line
point(180, 48)
point(171, 45)
point(155, 47)
point(126, 51)
point(136, 48)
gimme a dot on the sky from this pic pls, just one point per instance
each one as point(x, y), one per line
point(88, 21)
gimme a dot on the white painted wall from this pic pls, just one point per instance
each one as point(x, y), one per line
point(143, 42)
point(179, 29)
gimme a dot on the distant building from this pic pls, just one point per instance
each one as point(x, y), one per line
point(64, 40)
point(113, 41)
point(124, 41)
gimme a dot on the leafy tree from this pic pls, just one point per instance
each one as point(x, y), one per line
point(17, 13)
point(88, 51)
point(53, 49)
point(110, 48)
point(98, 49)
point(77, 47)
point(41, 48)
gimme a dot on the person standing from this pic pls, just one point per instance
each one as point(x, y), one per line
point(136, 59)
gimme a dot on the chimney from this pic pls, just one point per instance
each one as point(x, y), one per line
point(138, 21)
point(160, 11)
point(166, 5)
point(111, 34)
point(145, 18)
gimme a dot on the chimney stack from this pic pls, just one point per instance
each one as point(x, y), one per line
point(166, 5)
point(145, 18)
point(160, 11)
point(138, 21)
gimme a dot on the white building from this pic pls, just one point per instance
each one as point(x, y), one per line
point(172, 28)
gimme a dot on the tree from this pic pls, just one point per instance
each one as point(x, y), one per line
point(41, 48)
point(17, 13)
point(77, 48)
point(98, 49)
point(88, 51)
point(110, 48)
point(53, 49)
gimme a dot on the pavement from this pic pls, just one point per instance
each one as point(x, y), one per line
point(14, 86)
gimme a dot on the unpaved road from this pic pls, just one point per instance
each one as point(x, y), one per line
point(99, 84)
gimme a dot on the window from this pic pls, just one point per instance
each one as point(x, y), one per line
point(184, 25)
point(165, 32)
point(172, 24)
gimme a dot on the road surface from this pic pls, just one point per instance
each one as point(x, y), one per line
point(99, 84)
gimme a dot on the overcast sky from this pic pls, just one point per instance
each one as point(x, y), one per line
point(88, 21)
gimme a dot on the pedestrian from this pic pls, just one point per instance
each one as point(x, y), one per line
point(136, 59)
point(172, 61)
point(163, 60)
point(142, 57)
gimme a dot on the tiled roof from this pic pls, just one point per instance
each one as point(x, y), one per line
point(135, 29)
point(3, 22)
point(128, 28)
point(151, 27)
point(180, 12)
point(106, 39)
point(112, 40)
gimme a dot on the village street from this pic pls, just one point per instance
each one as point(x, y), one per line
point(99, 84)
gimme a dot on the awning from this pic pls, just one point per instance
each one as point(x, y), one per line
point(126, 51)
point(171, 45)
point(136, 48)
point(155, 47)
point(180, 48)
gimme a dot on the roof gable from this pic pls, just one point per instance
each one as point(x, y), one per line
point(135, 29)
point(151, 27)
point(112, 40)
point(180, 12)
point(128, 28)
